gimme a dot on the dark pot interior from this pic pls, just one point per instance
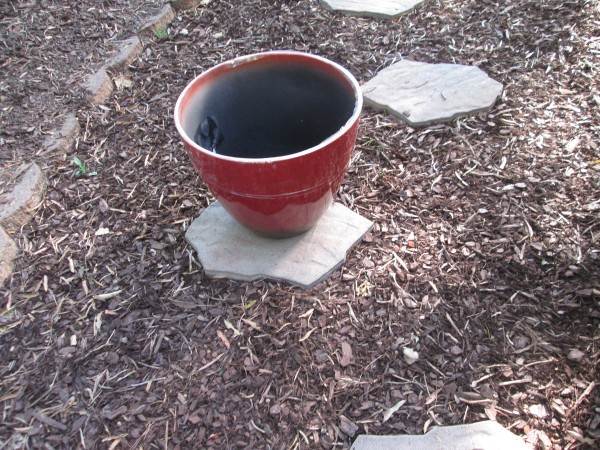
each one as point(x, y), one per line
point(271, 109)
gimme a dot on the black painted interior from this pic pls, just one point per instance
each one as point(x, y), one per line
point(272, 110)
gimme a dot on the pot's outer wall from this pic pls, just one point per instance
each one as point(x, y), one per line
point(280, 196)
point(283, 198)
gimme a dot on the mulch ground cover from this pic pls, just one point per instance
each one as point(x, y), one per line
point(484, 258)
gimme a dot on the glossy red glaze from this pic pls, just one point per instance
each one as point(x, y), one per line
point(277, 196)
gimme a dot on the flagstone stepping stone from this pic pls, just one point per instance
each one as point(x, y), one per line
point(99, 87)
point(421, 93)
point(226, 249)
point(159, 21)
point(63, 139)
point(17, 206)
point(8, 252)
point(485, 435)
point(129, 50)
point(385, 9)
point(179, 5)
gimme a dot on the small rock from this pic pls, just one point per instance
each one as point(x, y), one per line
point(575, 355)
point(538, 411)
point(410, 356)
point(347, 426)
point(321, 356)
point(368, 264)
point(456, 350)
point(112, 358)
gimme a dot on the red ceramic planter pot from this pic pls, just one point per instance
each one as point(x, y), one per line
point(271, 136)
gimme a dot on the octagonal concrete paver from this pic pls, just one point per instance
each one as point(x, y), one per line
point(421, 93)
point(226, 249)
point(372, 8)
point(485, 435)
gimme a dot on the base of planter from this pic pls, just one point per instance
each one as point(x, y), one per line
point(226, 249)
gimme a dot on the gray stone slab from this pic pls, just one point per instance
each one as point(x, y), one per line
point(63, 139)
point(129, 50)
point(486, 435)
point(421, 93)
point(8, 252)
point(159, 21)
point(18, 205)
point(372, 8)
point(179, 5)
point(99, 87)
point(226, 249)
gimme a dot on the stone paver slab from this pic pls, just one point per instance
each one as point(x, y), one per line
point(372, 8)
point(129, 50)
point(99, 87)
point(421, 93)
point(62, 140)
point(158, 22)
point(226, 249)
point(486, 435)
point(18, 205)
point(8, 252)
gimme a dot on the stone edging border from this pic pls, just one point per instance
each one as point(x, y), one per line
point(27, 194)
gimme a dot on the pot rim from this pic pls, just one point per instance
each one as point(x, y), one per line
point(233, 63)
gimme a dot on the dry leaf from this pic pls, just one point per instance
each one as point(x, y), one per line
point(307, 313)
point(307, 335)
point(229, 325)
point(183, 304)
point(252, 324)
point(490, 412)
point(224, 339)
point(390, 411)
point(572, 145)
point(108, 295)
point(432, 397)
point(122, 82)
point(102, 231)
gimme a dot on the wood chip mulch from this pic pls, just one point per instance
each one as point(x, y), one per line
point(484, 258)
